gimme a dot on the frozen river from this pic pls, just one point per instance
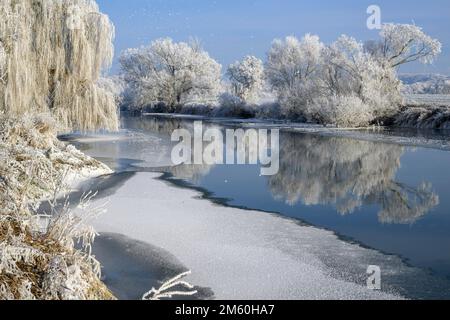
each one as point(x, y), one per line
point(339, 203)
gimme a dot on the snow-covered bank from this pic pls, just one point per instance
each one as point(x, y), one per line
point(240, 254)
point(37, 255)
point(425, 116)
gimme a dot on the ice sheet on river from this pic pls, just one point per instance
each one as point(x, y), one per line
point(242, 254)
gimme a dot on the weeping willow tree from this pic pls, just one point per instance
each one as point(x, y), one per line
point(52, 53)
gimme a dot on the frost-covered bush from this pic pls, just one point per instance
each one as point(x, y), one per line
point(171, 73)
point(342, 76)
point(51, 56)
point(350, 71)
point(247, 78)
point(40, 262)
point(30, 143)
point(342, 111)
point(292, 61)
point(115, 85)
point(291, 70)
point(296, 102)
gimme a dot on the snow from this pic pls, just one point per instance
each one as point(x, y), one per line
point(75, 179)
point(239, 254)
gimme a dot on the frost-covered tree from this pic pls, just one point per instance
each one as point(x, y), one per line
point(403, 43)
point(291, 70)
point(345, 83)
point(352, 77)
point(174, 74)
point(291, 61)
point(247, 77)
point(51, 56)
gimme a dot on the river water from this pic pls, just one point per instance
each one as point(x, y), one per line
point(388, 196)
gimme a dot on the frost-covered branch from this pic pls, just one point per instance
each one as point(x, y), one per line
point(166, 291)
point(247, 77)
point(171, 73)
point(51, 55)
point(346, 83)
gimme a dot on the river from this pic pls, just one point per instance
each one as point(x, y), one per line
point(384, 192)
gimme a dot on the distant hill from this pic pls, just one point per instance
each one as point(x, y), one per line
point(425, 83)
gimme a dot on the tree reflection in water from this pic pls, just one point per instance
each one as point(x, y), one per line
point(317, 170)
point(348, 174)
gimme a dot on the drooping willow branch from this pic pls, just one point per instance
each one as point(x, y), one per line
point(51, 55)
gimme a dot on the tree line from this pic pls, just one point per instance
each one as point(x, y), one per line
point(347, 83)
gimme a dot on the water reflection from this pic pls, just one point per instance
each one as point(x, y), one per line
point(159, 125)
point(348, 174)
point(315, 170)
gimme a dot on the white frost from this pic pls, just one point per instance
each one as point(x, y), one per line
point(239, 254)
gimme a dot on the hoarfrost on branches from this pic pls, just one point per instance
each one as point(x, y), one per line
point(247, 78)
point(404, 43)
point(346, 83)
point(167, 290)
point(291, 61)
point(172, 74)
point(51, 55)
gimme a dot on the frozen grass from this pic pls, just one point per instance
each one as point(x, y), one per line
point(38, 259)
point(424, 111)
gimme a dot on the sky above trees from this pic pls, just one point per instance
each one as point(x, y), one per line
point(231, 29)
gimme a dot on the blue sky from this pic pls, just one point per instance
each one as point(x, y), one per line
point(231, 29)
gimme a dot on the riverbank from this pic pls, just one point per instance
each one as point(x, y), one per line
point(419, 111)
point(38, 259)
point(408, 137)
